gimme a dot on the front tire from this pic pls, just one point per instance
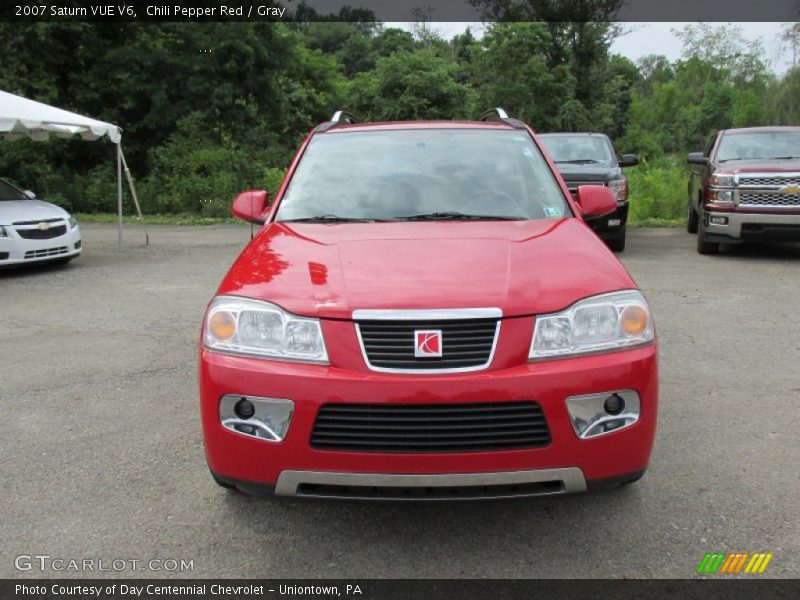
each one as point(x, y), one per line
point(704, 247)
point(692, 220)
point(617, 244)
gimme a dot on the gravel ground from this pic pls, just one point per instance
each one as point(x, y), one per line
point(103, 458)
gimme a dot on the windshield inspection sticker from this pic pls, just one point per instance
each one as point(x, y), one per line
point(553, 212)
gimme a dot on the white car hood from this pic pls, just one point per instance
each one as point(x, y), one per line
point(13, 211)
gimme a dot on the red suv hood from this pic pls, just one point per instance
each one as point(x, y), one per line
point(521, 267)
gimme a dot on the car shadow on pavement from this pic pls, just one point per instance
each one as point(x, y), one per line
point(761, 251)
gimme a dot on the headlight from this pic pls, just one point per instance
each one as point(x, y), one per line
point(620, 189)
point(599, 324)
point(72, 223)
point(251, 327)
point(3, 232)
point(722, 180)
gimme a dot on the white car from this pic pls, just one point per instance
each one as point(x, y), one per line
point(33, 231)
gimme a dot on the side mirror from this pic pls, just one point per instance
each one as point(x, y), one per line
point(29, 194)
point(596, 200)
point(697, 158)
point(628, 160)
point(250, 205)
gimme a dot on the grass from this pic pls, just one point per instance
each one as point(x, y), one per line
point(176, 219)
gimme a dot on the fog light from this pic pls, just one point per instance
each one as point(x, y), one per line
point(244, 409)
point(614, 404)
point(614, 222)
point(266, 419)
point(719, 220)
point(597, 414)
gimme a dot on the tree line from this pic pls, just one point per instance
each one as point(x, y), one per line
point(208, 109)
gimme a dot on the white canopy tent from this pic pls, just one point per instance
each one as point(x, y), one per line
point(23, 118)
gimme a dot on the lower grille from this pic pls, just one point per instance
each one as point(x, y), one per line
point(426, 428)
point(46, 252)
point(769, 199)
point(42, 234)
point(3, 255)
point(456, 492)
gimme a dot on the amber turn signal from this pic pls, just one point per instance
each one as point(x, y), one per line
point(222, 325)
point(634, 320)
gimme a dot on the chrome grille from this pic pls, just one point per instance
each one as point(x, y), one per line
point(427, 428)
point(771, 180)
point(466, 344)
point(572, 186)
point(42, 234)
point(769, 199)
point(44, 253)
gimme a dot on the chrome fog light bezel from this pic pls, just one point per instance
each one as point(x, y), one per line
point(269, 422)
point(589, 418)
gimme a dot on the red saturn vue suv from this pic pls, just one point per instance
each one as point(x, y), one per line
point(426, 315)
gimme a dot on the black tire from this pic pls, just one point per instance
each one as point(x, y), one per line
point(692, 220)
point(704, 247)
point(633, 479)
point(224, 484)
point(617, 244)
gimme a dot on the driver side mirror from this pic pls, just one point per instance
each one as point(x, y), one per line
point(595, 200)
point(628, 160)
point(697, 158)
point(250, 205)
point(29, 194)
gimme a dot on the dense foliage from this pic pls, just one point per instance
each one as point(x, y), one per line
point(210, 109)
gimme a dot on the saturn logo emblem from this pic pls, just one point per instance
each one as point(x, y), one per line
point(43, 226)
point(428, 343)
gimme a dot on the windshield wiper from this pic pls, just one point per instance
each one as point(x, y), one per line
point(579, 161)
point(783, 157)
point(331, 219)
point(457, 216)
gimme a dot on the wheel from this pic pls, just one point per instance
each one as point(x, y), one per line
point(704, 247)
point(224, 484)
point(633, 479)
point(617, 244)
point(691, 220)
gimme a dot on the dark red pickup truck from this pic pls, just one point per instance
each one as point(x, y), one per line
point(745, 186)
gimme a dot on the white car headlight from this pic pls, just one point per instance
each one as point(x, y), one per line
point(72, 223)
point(3, 232)
point(602, 323)
point(255, 328)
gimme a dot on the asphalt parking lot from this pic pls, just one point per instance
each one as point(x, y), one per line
point(102, 453)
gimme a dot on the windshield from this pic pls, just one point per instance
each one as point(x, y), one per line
point(9, 192)
point(419, 174)
point(762, 145)
point(578, 149)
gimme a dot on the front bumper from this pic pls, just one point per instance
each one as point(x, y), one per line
point(16, 250)
point(611, 226)
point(751, 226)
point(294, 467)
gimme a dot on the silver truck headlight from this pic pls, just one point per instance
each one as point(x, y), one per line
point(608, 322)
point(722, 180)
point(251, 327)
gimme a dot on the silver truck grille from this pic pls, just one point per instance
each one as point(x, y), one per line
point(770, 180)
point(769, 199)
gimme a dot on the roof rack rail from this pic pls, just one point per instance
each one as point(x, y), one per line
point(502, 115)
point(340, 117)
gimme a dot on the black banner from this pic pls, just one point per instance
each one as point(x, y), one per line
point(392, 589)
point(154, 11)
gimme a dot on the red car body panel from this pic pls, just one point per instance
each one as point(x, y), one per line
point(524, 268)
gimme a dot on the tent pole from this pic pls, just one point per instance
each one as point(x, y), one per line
point(119, 194)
